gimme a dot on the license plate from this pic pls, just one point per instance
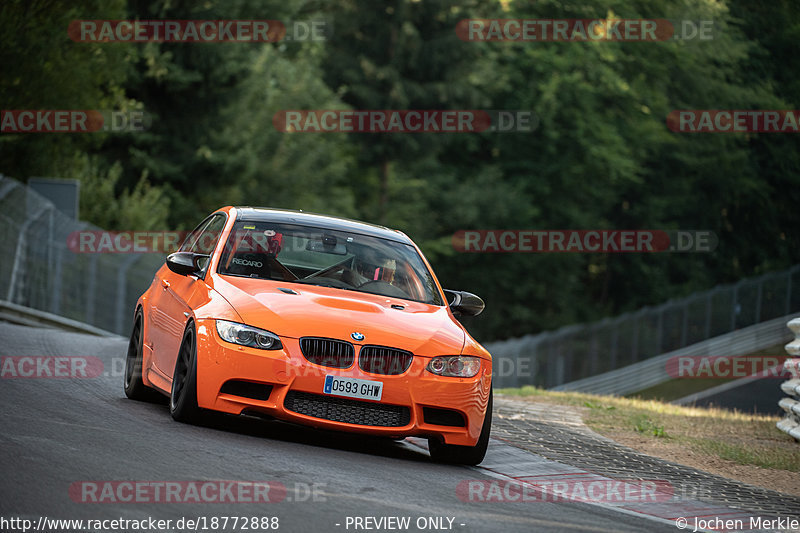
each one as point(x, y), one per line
point(353, 388)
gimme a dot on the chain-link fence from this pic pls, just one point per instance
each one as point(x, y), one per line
point(579, 351)
point(39, 270)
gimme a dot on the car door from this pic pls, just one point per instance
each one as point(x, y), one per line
point(171, 310)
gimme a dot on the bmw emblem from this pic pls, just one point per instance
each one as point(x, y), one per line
point(357, 336)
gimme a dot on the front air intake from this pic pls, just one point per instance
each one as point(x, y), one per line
point(443, 417)
point(347, 410)
point(247, 389)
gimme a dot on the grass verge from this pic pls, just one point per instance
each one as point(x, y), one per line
point(745, 439)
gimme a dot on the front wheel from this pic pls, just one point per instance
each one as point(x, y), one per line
point(135, 389)
point(183, 397)
point(465, 455)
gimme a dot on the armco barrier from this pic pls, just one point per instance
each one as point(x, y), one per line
point(27, 316)
point(653, 371)
point(583, 351)
point(791, 423)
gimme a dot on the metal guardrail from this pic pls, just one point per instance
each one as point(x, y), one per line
point(652, 372)
point(39, 271)
point(19, 314)
point(791, 423)
point(581, 351)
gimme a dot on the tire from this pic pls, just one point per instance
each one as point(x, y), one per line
point(183, 396)
point(135, 389)
point(464, 455)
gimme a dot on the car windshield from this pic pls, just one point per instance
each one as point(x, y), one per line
point(338, 259)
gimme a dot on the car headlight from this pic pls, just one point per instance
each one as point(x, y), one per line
point(456, 366)
point(248, 335)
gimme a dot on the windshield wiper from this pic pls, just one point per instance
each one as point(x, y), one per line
point(309, 282)
point(306, 281)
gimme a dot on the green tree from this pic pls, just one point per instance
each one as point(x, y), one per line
point(44, 69)
point(399, 55)
point(259, 165)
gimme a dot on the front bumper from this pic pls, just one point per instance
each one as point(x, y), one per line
point(287, 373)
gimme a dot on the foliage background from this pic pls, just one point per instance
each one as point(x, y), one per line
point(601, 157)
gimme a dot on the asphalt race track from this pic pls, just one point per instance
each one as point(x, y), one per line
point(58, 432)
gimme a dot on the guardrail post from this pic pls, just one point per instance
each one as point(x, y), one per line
point(54, 304)
point(734, 306)
point(91, 288)
point(55, 293)
point(594, 357)
point(560, 369)
point(611, 347)
point(552, 371)
point(685, 324)
point(660, 329)
point(518, 369)
point(122, 278)
point(759, 296)
point(20, 253)
point(791, 405)
point(789, 276)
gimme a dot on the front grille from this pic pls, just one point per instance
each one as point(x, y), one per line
point(328, 352)
point(346, 410)
point(382, 360)
point(247, 389)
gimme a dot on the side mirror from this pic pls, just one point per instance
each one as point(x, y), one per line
point(465, 303)
point(185, 263)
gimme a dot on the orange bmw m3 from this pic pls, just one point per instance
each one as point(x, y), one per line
point(315, 320)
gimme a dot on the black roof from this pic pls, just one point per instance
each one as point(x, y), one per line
point(288, 216)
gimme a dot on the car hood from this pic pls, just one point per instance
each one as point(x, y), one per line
point(334, 313)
